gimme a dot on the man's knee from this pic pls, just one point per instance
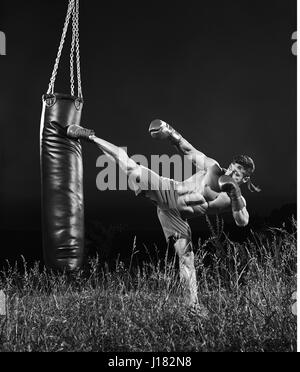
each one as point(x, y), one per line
point(134, 177)
point(134, 171)
point(184, 249)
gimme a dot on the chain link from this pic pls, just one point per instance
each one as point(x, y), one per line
point(65, 29)
point(77, 50)
point(72, 51)
point(73, 10)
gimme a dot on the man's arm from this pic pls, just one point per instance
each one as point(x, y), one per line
point(161, 130)
point(221, 204)
point(200, 160)
point(238, 203)
point(241, 217)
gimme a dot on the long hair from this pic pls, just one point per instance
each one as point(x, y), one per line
point(252, 187)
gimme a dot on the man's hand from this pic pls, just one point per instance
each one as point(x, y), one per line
point(228, 185)
point(160, 130)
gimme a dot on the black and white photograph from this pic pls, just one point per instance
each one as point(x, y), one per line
point(148, 179)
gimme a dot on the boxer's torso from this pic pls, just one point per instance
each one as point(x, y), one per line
point(202, 188)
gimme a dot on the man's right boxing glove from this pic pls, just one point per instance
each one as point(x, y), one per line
point(228, 185)
point(158, 129)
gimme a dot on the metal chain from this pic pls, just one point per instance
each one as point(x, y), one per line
point(65, 29)
point(72, 51)
point(77, 49)
point(73, 10)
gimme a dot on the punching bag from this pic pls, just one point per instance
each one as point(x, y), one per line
point(62, 184)
point(61, 164)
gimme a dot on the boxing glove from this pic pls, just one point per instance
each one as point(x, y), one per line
point(158, 129)
point(228, 185)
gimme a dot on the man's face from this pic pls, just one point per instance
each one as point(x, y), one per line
point(237, 172)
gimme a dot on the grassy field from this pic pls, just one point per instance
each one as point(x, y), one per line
point(247, 288)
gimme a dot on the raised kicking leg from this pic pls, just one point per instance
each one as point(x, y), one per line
point(118, 154)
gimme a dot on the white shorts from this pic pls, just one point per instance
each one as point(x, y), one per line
point(162, 191)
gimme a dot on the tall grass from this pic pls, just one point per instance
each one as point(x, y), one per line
point(246, 287)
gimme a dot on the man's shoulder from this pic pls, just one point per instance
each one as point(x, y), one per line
point(213, 164)
point(216, 169)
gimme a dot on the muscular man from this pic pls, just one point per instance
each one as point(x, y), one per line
point(211, 190)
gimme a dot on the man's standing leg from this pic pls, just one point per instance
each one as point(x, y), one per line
point(178, 231)
point(184, 250)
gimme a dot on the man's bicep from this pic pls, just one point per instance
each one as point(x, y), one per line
point(203, 162)
point(241, 217)
point(198, 158)
point(244, 200)
point(209, 162)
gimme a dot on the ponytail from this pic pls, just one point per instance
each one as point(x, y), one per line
point(252, 187)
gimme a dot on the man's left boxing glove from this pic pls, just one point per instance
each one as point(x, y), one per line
point(228, 185)
point(160, 130)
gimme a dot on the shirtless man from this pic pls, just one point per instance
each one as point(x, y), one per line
point(211, 190)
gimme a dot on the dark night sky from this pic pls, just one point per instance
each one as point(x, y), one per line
point(221, 72)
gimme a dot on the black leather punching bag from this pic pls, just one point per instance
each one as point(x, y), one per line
point(62, 184)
